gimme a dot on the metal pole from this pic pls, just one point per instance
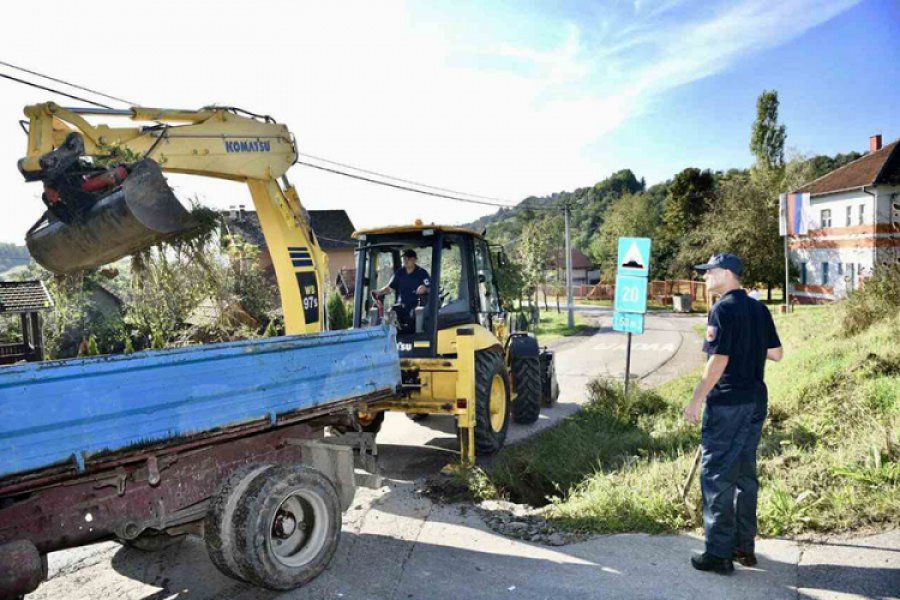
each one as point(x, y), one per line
point(571, 320)
point(627, 364)
point(787, 301)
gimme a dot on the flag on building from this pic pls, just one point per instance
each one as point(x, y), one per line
point(793, 214)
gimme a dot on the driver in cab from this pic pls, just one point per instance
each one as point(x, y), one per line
point(409, 282)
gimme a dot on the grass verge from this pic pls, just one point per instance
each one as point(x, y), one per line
point(555, 325)
point(829, 460)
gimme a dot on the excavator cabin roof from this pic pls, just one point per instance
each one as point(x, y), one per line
point(417, 227)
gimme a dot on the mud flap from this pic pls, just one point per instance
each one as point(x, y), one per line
point(134, 216)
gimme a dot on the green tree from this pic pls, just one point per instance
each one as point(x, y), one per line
point(632, 215)
point(767, 136)
point(337, 312)
point(745, 222)
point(691, 195)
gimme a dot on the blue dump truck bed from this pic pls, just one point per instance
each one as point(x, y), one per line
point(66, 414)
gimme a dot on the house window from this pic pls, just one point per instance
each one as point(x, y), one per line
point(862, 213)
point(840, 268)
point(824, 273)
point(849, 215)
point(825, 217)
point(803, 273)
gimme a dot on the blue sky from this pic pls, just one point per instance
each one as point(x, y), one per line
point(837, 83)
point(504, 99)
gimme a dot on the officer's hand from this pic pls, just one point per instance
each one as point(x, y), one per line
point(421, 290)
point(692, 412)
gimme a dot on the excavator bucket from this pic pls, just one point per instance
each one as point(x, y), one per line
point(135, 215)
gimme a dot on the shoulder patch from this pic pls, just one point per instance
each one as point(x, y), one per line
point(711, 332)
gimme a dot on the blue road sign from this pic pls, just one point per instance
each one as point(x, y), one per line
point(634, 257)
point(631, 294)
point(628, 322)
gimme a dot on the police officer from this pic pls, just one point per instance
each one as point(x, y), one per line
point(409, 282)
point(740, 336)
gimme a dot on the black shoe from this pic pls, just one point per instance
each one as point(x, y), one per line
point(748, 559)
point(708, 562)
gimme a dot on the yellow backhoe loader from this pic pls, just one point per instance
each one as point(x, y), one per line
point(458, 355)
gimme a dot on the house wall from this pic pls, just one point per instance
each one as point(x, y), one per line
point(886, 196)
point(339, 258)
point(836, 254)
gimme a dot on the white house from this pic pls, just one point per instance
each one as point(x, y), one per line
point(854, 225)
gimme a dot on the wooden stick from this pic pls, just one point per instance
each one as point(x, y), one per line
point(690, 477)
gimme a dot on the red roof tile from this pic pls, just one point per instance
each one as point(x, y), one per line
point(879, 167)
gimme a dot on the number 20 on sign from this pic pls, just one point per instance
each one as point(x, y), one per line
point(631, 294)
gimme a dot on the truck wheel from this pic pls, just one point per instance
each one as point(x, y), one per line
point(153, 541)
point(218, 527)
point(287, 527)
point(491, 402)
point(527, 377)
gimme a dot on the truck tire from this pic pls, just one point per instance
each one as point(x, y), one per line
point(218, 527)
point(153, 541)
point(287, 527)
point(527, 379)
point(491, 402)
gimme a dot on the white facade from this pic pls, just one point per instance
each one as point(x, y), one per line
point(850, 235)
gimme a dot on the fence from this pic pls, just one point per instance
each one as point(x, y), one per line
point(660, 291)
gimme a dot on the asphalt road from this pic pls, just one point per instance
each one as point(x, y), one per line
point(398, 544)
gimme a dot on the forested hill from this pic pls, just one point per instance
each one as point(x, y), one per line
point(12, 255)
point(674, 213)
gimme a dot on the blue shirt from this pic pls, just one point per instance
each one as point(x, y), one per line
point(742, 329)
point(406, 284)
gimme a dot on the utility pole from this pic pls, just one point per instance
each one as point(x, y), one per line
point(571, 322)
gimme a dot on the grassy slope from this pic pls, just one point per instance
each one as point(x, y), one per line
point(829, 459)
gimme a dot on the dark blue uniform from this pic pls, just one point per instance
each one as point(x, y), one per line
point(742, 329)
point(406, 284)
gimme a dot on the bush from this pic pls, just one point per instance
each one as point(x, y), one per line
point(878, 299)
point(338, 317)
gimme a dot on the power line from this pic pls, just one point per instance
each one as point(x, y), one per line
point(35, 85)
point(409, 189)
point(440, 189)
point(74, 85)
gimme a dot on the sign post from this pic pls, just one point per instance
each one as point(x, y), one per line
point(633, 269)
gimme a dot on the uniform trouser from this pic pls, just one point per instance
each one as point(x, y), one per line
point(729, 439)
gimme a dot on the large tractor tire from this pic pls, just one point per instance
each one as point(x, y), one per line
point(491, 402)
point(218, 527)
point(287, 527)
point(527, 379)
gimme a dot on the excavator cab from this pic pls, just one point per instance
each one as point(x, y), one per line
point(463, 288)
point(98, 214)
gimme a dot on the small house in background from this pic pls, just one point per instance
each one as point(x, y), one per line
point(25, 300)
point(852, 226)
point(584, 272)
point(333, 229)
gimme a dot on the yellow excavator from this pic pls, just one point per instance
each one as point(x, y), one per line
point(458, 354)
point(100, 210)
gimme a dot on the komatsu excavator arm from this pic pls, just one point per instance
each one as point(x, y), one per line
point(97, 215)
